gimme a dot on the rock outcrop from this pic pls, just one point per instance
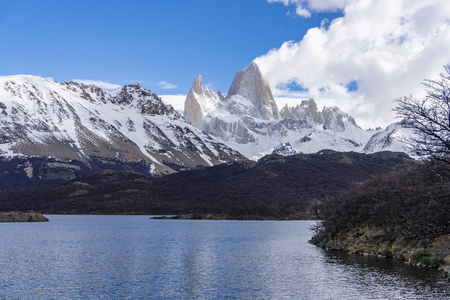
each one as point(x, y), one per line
point(284, 149)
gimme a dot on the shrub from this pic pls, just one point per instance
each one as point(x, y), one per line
point(425, 258)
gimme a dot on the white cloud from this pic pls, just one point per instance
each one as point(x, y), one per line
point(141, 82)
point(304, 7)
point(151, 84)
point(210, 86)
point(166, 85)
point(101, 84)
point(303, 12)
point(177, 101)
point(387, 47)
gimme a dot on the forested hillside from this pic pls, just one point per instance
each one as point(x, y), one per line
point(275, 187)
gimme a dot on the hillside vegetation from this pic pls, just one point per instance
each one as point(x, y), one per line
point(403, 214)
point(276, 187)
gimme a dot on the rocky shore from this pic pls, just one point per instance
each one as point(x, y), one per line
point(372, 241)
point(16, 216)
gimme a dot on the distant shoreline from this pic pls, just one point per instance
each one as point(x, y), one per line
point(226, 217)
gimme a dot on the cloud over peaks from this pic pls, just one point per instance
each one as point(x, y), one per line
point(166, 85)
point(304, 7)
point(101, 84)
point(377, 51)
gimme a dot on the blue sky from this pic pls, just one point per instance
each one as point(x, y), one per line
point(356, 54)
point(161, 44)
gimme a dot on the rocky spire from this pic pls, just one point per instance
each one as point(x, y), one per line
point(192, 108)
point(286, 112)
point(199, 101)
point(249, 84)
point(197, 86)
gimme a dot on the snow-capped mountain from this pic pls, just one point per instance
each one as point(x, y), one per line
point(72, 121)
point(248, 120)
point(391, 138)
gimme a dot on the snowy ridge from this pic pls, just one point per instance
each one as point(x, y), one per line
point(40, 117)
point(391, 138)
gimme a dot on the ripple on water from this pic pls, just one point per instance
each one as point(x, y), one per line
point(133, 257)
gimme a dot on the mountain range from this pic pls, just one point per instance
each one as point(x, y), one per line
point(56, 131)
point(52, 131)
point(247, 119)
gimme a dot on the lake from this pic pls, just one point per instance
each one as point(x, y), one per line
point(132, 257)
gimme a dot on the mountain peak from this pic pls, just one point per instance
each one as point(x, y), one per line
point(334, 118)
point(252, 67)
point(197, 86)
point(199, 101)
point(250, 84)
point(309, 104)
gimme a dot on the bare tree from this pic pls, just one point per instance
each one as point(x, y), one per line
point(429, 117)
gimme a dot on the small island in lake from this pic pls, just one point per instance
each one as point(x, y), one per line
point(17, 216)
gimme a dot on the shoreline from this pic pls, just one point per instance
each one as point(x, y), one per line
point(226, 217)
point(191, 216)
point(367, 241)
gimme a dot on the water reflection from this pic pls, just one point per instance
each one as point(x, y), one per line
point(133, 257)
point(399, 281)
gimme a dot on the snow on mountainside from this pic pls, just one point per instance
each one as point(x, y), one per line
point(73, 121)
point(389, 139)
point(248, 119)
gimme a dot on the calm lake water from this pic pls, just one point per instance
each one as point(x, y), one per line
point(132, 257)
